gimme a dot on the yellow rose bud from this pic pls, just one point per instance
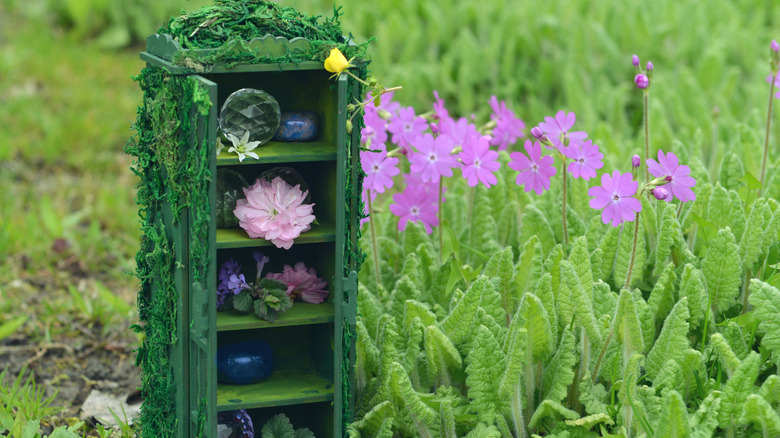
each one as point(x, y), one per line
point(336, 62)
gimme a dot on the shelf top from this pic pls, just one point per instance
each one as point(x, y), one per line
point(283, 152)
point(237, 237)
point(300, 314)
point(283, 388)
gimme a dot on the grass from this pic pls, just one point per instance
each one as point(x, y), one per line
point(68, 221)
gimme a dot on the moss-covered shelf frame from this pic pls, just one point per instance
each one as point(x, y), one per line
point(182, 248)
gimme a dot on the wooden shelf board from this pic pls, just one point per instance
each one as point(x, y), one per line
point(282, 152)
point(283, 388)
point(237, 237)
point(300, 314)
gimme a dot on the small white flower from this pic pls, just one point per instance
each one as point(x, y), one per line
point(220, 146)
point(243, 146)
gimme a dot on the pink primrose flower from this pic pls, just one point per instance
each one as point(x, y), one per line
point(558, 131)
point(586, 159)
point(302, 283)
point(535, 170)
point(380, 170)
point(432, 157)
point(680, 181)
point(406, 127)
point(479, 162)
point(274, 211)
point(508, 126)
point(616, 196)
point(374, 135)
point(415, 204)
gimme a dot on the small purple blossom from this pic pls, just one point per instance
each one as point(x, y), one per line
point(374, 135)
point(535, 170)
point(680, 181)
point(380, 170)
point(261, 260)
point(415, 204)
point(508, 126)
point(641, 81)
point(616, 196)
point(229, 267)
point(538, 134)
point(649, 66)
point(479, 163)
point(660, 193)
point(237, 283)
point(462, 133)
point(439, 109)
point(586, 159)
point(636, 161)
point(774, 46)
point(635, 61)
point(558, 131)
point(406, 127)
point(432, 157)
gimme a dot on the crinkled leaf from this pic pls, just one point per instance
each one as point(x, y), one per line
point(370, 308)
point(728, 359)
point(372, 422)
point(646, 319)
point(633, 409)
point(591, 420)
point(667, 228)
point(442, 355)
point(674, 417)
point(528, 268)
point(580, 261)
point(567, 293)
point(552, 264)
point(242, 301)
point(692, 288)
point(628, 331)
point(751, 245)
point(545, 294)
point(722, 269)
point(460, 324)
point(692, 365)
point(672, 341)
point(415, 309)
point(534, 223)
point(447, 422)
point(405, 289)
point(404, 396)
point(594, 397)
point(624, 254)
point(482, 430)
point(731, 171)
point(737, 216)
point(559, 371)
point(411, 340)
point(718, 211)
point(765, 299)
point(704, 421)
point(604, 300)
point(738, 387)
point(507, 225)
point(757, 411)
point(551, 410)
point(304, 433)
point(583, 302)
point(486, 365)
point(609, 246)
point(278, 426)
point(770, 389)
point(736, 340)
point(367, 357)
point(670, 376)
point(661, 297)
point(501, 266)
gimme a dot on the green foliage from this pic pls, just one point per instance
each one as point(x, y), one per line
point(722, 271)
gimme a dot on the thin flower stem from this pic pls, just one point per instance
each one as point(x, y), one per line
point(766, 137)
point(633, 253)
point(647, 135)
point(565, 228)
point(603, 351)
point(679, 209)
point(373, 241)
point(441, 239)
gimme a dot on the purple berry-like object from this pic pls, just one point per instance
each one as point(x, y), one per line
point(641, 81)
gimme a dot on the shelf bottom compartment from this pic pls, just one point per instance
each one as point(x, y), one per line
point(317, 417)
point(281, 389)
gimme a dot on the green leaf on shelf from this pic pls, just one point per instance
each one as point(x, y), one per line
point(243, 301)
point(278, 426)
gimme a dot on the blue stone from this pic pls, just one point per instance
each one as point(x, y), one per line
point(297, 126)
point(245, 362)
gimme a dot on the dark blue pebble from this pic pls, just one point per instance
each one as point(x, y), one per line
point(245, 362)
point(297, 126)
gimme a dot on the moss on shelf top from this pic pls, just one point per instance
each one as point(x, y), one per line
point(240, 21)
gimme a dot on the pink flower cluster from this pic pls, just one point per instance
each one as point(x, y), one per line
point(274, 210)
point(435, 148)
point(302, 283)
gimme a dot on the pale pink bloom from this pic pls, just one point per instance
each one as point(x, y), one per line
point(438, 108)
point(380, 170)
point(681, 182)
point(374, 135)
point(406, 127)
point(430, 188)
point(387, 107)
point(415, 204)
point(558, 128)
point(479, 162)
point(585, 159)
point(535, 170)
point(274, 211)
point(432, 157)
point(508, 128)
point(302, 283)
point(616, 196)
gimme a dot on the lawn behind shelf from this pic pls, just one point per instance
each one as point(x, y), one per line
point(68, 221)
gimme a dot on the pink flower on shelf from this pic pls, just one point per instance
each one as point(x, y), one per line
point(680, 181)
point(479, 163)
point(274, 211)
point(380, 170)
point(415, 204)
point(432, 157)
point(586, 158)
point(374, 135)
point(406, 127)
point(302, 283)
point(535, 170)
point(508, 126)
point(557, 130)
point(616, 196)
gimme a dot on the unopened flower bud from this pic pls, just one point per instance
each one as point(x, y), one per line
point(349, 126)
point(537, 132)
point(635, 61)
point(641, 81)
point(434, 128)
point(649, 66)
point(636, 161)
point(775, 47)
point(660, 193)
point(384, 114)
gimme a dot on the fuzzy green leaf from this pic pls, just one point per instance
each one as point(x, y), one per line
point(670, 376)
point(594, 397)
point(646, 319)
point(731, 171)
point(624, 254)
point(482, 430)
point(534, 223)
point(604, 300)
point(633, 409)
point(528, 268)
point(692, 288)
point(443, 357)
point(516, 347)
point(737, 219)
point(404, 396)
point(661, 297)
point(278, 426)
point(459, 324)
point(765, 299)
point(405, 289)
point(553, 410)
point(242, 301)
point(583, 302)
point(533, 317)
point(591, 420)
point(415, 309)
point(370, 308)
point(486, 366)
point(719, 208)
point(674, 417)
point(628, 331)
point(500, 266)
point(759, 412)
point(728, 359)
point(447, 422)
point(770, 389)
point(672, 341)
point(545, 294)
point(411, 340)
point(609, 247)
point(751, 245)
point(705, 420)
point(552, 264)
point(559, 371)
point(738, 387)
point(667, 228)
point(304, 433)
point(692, 365)
point(580, 261)
point(367, 362)
point(736, 340)
point(567, 295)
point(722, 269)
